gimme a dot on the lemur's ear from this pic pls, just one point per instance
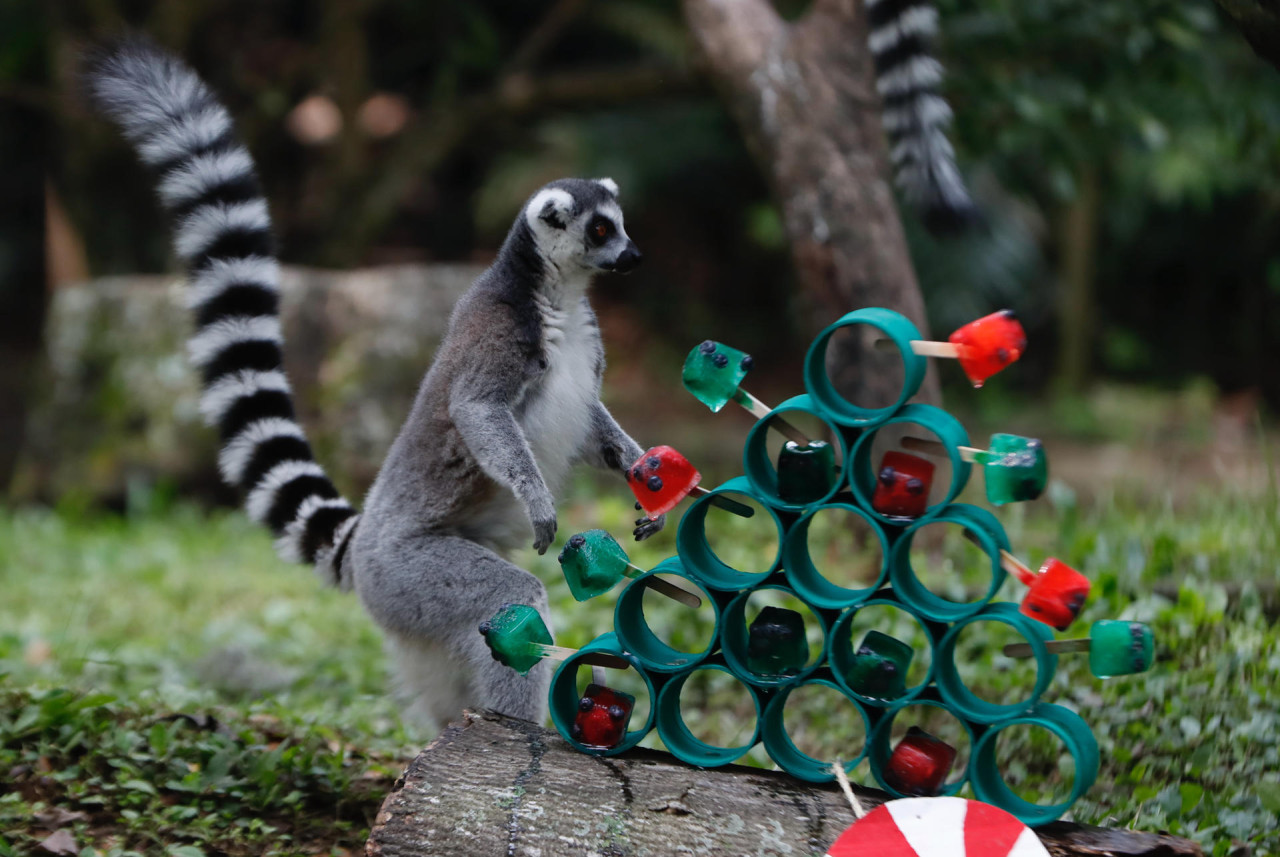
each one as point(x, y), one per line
point(552, 206)
point(609, 185)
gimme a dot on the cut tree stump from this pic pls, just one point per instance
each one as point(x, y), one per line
point(491, 785)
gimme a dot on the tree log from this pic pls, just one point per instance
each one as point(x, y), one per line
point(804, 96)
point(492, 785)
point(1259, 23)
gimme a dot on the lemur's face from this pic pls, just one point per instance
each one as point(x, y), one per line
point(578, 224)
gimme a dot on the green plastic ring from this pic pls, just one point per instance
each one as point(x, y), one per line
point(989, 785)
point(880, 751)
point(762, 473)
point(862, 475)
point(991, 538)
point(682, 743)
point(564, 697)
point(698, 557)
point(816, 381)
point(635, 635)
point(958, 695)
point(733, 640)
point(809, 582)
point(790, 758)
point(840, 651)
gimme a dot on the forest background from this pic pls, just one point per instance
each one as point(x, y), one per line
point(1127, 160)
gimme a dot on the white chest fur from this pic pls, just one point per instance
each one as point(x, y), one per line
point(556, 411)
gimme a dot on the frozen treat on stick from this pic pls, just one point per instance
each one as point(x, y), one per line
point(806, 472)
point(776, 644)
point(713, 372)
point(983, 347)
point(1055, 594)
point(919, 764)
point(662, 477)
point(593, 563)
point(902, 486)
point(518, 638)
point(1016, 468)
point(879, 668)
point(1114, 647)
point(601, 720)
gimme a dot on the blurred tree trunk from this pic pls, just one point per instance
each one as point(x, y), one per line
point(1259, 23)
point(1077, 313)
point(24, 145)
point(804, 95)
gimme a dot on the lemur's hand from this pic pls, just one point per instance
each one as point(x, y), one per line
point(646, 527)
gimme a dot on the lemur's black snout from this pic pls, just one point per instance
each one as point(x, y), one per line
point(629, 259)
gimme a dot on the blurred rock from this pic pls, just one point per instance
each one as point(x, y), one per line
point(118, 404)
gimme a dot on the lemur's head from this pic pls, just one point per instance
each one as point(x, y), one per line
point(577, 223)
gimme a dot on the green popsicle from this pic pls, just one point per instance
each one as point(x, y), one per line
point(806, 472)
point(879, 668)
point(593, 563)
point(516, 635)
point(713, 371)
point(776, 644)
point(1120, 648)
point(1016, 468)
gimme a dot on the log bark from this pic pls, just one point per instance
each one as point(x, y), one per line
point(490, 785)
point(804, 96)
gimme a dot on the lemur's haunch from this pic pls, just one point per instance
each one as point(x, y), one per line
point(915, 116)
point(511, 401)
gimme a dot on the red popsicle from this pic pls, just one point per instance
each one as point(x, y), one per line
point(660, 479)
point(601, 721)
point(987, 345)
point(1056, 594)
point(919, 764)
point(902, 485)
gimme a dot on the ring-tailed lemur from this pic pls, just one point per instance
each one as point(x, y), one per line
point(915, 116)
point(511, 400)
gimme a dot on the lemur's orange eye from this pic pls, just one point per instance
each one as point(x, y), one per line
point(602, 229)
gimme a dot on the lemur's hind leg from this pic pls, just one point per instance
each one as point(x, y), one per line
point(430, 595)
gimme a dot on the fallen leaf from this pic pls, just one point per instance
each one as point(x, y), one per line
point(61, 842)
point(57, 817)
point(37, 652)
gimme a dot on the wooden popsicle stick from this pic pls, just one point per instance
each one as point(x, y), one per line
point(675, 593)
point(595, 659)
point(667, 588)
point(598, 675)
point(1055, 647)
point(923, 348)
point(1016, 567)
point(760, 410)
point(933, 447)
point(725, 503)
point(1009, 562)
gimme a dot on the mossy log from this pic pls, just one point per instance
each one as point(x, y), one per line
point(490, 785)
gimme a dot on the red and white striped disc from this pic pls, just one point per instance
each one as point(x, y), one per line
point(937, 827)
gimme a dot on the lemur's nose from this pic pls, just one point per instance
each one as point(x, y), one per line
point(628, 259)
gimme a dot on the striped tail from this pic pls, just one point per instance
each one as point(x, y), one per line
point(915, 116)
point(222, 231)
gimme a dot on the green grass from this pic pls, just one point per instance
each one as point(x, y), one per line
point(165, 680)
